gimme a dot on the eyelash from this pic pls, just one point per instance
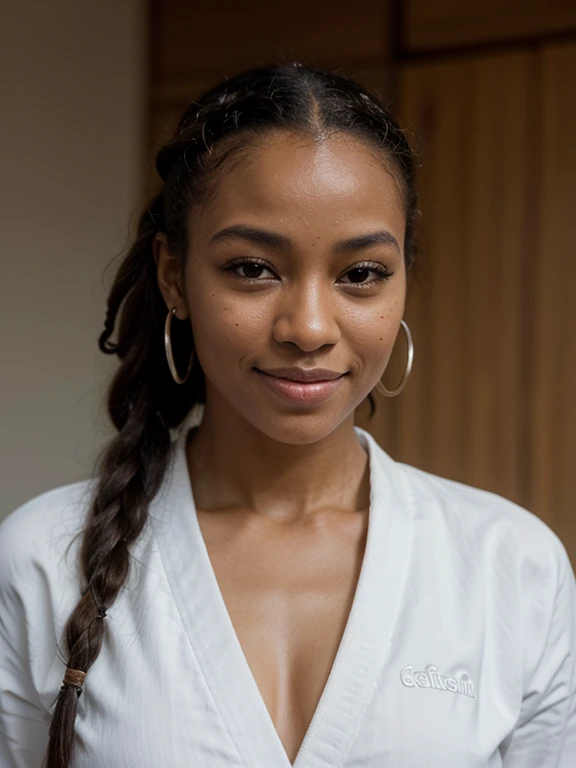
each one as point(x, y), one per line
point(382, 272)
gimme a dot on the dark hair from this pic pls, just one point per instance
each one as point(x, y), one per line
point(143, 400)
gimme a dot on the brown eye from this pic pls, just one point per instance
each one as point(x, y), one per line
point(252, 269)
point(360, 272)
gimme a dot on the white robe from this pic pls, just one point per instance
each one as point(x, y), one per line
point(459, 651)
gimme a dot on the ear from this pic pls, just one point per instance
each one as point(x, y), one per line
point(168, 271)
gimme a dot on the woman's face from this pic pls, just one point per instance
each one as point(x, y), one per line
point(297, 261)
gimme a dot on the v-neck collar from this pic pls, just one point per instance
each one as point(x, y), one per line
point(363, 647)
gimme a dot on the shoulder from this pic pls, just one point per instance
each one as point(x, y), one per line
point(521, 569)
point(35, 537)
point(490, 524)
point(39, 586)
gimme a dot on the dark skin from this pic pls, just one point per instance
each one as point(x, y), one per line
point(282, 490)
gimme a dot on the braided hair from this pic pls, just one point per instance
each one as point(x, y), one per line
point(143, 400)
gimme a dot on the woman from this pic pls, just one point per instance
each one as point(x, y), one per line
point(250, 579)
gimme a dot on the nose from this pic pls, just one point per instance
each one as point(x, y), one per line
point(306, 316)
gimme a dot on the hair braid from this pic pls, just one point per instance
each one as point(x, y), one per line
point(130, 469)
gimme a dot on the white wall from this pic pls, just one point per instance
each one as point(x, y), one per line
point(73, 83)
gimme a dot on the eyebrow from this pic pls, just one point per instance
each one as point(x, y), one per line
point(283, 243)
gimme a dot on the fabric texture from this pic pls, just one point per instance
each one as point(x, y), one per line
point(459, 650)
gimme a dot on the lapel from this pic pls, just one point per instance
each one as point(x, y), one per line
point(364, 645)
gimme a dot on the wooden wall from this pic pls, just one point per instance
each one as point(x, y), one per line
point(486, 91)
point(552, 446)
point(442, 24)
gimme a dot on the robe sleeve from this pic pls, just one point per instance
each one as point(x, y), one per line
point(545, 732)
point(24, 721)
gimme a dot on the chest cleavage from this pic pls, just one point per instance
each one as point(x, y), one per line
point(288, 590)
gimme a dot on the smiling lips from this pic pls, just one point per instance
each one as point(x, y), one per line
point(302, 386)
point(303, 374)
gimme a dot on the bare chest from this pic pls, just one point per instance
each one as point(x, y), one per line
point(288, 591)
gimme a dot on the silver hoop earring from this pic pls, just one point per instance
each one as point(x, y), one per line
point(381, 388)
point(169, 355)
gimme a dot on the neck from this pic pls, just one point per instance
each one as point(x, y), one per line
point(234, 465)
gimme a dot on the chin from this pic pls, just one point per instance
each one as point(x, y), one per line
point(298, 428)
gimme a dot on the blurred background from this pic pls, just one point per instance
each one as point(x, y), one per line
point(486, 91)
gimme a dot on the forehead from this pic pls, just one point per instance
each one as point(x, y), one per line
point(293, 179)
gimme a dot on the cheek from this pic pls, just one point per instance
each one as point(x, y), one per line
point(377, 327)
point(372, 334)
point(223, 329)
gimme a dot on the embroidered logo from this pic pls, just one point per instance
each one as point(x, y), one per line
point(431, 678)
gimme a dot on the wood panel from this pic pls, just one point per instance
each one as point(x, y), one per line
point(229, 36)
point(462, 415)
point(449, 23)
point(553, 308)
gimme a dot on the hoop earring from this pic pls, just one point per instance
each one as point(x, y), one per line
point(169, 355)
point(381, 388)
